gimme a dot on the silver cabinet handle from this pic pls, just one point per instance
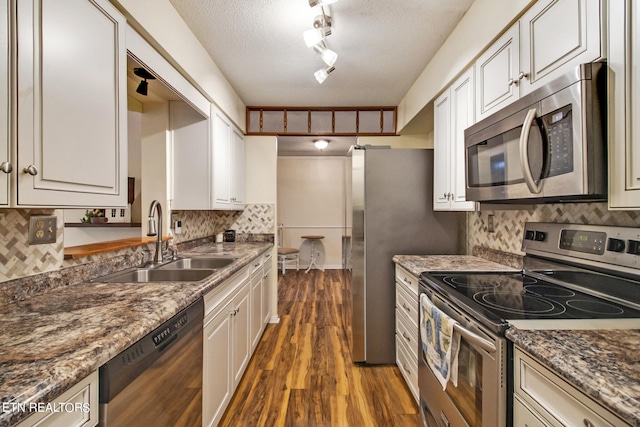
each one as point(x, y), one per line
point(404, 335)
point(6, 167)
point(31, 170)
point(588, 423)
point(524, 153)
point(523, 75)
point(405, 307)
point(512, 82)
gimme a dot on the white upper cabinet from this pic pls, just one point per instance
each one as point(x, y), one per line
point(71, 104)
point(5, 159)
point(496, 73)
point(550, 38)
point(624, 104)
point(191, 158)
point(228, 163)
point(453, 113)
point(556, 34)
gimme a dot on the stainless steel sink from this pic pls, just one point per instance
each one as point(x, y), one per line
point(198, 262)
point(156, 275)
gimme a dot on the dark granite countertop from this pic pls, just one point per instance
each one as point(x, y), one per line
point(52, 340)
point(416, 264)
point(603, 364)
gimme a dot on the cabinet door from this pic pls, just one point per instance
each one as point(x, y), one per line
point(442, 151)
point(497, 73)
point(462, 116)
point(71, 104)
point(266, 293)
point(5, 159)
point(217, 381)
point(241, 334)
point(256, 308)
point(237, 169)
point(191, 166)
point(221, 135)
point(525, 417)
point(624, 104)
point(556, 35)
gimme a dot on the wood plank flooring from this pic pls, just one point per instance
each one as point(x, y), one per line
point(301, 373)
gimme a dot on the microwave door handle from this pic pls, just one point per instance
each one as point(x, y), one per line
point(524, 153)
point(475, 339)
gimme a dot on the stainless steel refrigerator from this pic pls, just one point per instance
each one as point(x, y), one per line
point(391, 198)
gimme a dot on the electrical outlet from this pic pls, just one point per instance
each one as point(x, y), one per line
point(43, 229)
point(490, 227)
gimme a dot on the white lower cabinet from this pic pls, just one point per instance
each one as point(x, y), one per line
point(266, 290)
point(543, 399)
point(77, 407)
point(231, 333)
point(407, 328)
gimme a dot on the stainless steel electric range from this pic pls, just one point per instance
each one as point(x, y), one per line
point(574, 277)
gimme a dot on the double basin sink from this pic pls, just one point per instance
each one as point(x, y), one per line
point(191, 269)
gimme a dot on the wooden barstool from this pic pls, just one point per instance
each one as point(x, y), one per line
point(286, 254)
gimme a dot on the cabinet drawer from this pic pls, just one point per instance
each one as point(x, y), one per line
point(407, 304)
point(79, 407)
point(225, 291)
point(407, 279)
point(408, 367)
point(407, 332)
point(559, 403)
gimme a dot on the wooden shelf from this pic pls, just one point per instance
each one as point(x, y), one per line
point(81, 251)
point(103, 224)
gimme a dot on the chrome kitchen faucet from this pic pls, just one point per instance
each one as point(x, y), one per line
point(151, 230)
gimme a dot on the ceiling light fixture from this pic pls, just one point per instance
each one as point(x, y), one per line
point(143, 87)
point(321, 144)
point(315, 39)
point(322, 74)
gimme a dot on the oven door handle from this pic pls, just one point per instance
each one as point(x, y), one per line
point(524, 153)
point(475, 339)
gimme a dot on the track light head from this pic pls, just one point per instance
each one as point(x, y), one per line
point(143, 87)
point(322, 74)
point(314, 3)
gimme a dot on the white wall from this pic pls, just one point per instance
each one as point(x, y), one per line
point(311, 201)
point(477, 29)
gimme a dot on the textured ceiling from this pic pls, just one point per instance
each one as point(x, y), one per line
point(383, 46)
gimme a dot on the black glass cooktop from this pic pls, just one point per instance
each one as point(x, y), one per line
point(517, 296)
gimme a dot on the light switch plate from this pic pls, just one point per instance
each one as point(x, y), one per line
point(42, 229)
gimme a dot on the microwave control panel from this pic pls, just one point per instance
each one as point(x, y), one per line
point(557, 127)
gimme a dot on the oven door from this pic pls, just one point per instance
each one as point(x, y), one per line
point(480, 398)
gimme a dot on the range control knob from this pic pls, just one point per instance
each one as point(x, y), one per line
point(615, 245)
point(633, 247)
point(529, 234)
point(540, 236)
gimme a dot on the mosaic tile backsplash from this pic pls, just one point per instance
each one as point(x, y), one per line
point(509, 224)
point(19, 259)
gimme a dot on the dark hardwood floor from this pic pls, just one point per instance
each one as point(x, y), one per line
point(301, 373)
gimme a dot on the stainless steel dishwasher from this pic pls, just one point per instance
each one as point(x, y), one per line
point(158, 380)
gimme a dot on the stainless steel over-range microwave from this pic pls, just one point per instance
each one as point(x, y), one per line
point(548, 146)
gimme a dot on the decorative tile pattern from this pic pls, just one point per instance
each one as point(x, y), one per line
point(509, 224)
point(254, 219)
point(17, 257)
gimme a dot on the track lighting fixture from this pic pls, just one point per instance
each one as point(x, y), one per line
point(143, 87)
point(322, 74)
point(321, 144)
point(315, 39)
